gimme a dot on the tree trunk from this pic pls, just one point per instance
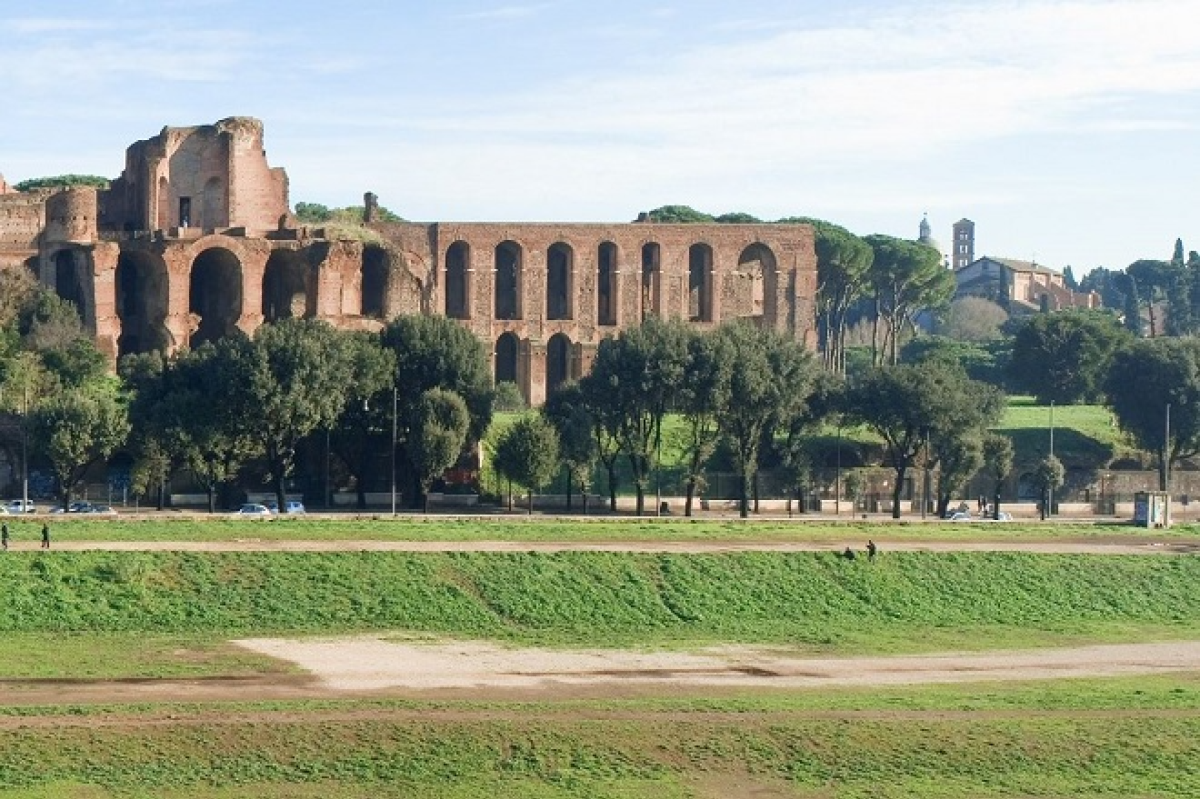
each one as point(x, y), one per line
point(612, 485)
point(896, 492)
point(690, 492)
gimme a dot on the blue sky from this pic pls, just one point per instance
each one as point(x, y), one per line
point(1066, 130)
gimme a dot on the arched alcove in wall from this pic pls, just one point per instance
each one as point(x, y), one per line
point(560, 281)
point(700, 283)
point(558, 361)
point(376, 265)
point(606, 284)
point(215, 295)
point(505, 360)
point(287, 291)
point(458, 281)
point(141, 303)
point(508, 281)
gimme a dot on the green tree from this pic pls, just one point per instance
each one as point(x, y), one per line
point(75, 430)
point(1147, 377)
point(1064, 357)
point(361, 422)
point(701, 395)
point(605, 418)
point(300, 378)
point(677, 214)
point(906, 278)
point(566, 409)
point(212, 440)
point(527, 453)
point(770, 380)
point(62, 182)
point(437, 437)
point(959, 457)
point(435, 352)
point(1153, 279)
point(843, 265)
point(1048, 476)
point(640, 370)
point(997, 463)
point(911, 405)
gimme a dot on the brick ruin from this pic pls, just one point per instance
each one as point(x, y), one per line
point(195, 239)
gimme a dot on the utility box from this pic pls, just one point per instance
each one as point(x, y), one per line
point(1152, 509)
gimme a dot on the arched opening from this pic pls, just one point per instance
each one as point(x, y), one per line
point(375, 268)
point(286, 287)
point(558, 361)
point(507, 348)
point(606, 284)
point(508, 280)
point(560, 289)
point(651, 279)
point(69, 280)
point(141, 303)
point(215, 295)
point(700, 283)
point(756, 268)
point(458, 281)
point(165, 212)
point(212, 209)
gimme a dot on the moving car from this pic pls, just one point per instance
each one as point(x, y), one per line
point(20, 507)
point(290, 507)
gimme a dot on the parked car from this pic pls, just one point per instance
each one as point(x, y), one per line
point(965, 516)
point(253, 510)
point(20, 507)
point(80, 507)
point(290, 507)
point(101, 509)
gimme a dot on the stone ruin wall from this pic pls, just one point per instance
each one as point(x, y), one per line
point(765, 272)
point(22, 218)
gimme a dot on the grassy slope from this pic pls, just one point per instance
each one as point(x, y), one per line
point(1096, 737)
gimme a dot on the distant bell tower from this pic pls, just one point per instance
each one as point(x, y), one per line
point(964, 243)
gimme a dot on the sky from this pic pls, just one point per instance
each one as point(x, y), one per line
point(1065, 129)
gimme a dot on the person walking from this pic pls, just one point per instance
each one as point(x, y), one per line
point(45, 535)
point(4, 535)
point(871, 548)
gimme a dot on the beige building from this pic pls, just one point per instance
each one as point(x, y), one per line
point(1020, 287)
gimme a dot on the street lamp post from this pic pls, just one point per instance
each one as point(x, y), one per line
point(1050, 488)
point(25, 451)
point(393, 452)
point(837, 479)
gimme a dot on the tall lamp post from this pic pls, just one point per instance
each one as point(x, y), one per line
point(1050, 489)
point(393, 452)
point(837, 479)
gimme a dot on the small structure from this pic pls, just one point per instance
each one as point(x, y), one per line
point(1152, 509)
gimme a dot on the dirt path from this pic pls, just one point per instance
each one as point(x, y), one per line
point(251, 545)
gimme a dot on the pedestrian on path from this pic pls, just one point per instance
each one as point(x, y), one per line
point(45, 535)
point(4, 535)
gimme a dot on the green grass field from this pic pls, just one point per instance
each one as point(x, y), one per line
point(80, 616)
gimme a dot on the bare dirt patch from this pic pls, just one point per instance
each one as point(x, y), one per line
point(368, 664)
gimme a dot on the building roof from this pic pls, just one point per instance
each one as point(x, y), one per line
point(1015, 265)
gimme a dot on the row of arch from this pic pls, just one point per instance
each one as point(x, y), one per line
point(561, 278)
point(560, 367)
point(215, 292)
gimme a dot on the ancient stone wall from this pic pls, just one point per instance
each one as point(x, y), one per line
point(539, 296)
point(22, 218)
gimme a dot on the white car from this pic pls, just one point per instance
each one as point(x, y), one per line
point(290, 507)
point(20, 507)
point(253, 510)
point(964, 516)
